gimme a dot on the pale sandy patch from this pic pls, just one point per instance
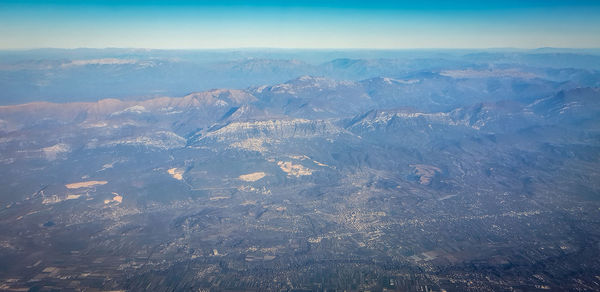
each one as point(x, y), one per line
point(107, 166)
point(117, 198)
point(320, 164)
point(252, 176)
point(85, 184)
point(248, 202)
point(296, 170)
point(176, 173)
point(303, 157)
point(299, 157)
point(263, 190)
point(219, 198)
point(95, 125)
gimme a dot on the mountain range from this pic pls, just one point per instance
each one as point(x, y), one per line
point(449, 178)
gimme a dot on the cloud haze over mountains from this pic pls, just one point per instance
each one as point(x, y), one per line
point(88, 74)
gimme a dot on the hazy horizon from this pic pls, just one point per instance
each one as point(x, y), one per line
point(312, 48)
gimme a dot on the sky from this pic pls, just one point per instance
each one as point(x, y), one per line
point(371, 24)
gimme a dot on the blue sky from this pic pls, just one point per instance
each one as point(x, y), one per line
point(299, 24)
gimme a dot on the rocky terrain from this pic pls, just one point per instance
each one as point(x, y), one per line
point(460, 179)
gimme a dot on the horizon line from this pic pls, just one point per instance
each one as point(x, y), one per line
point(301, 48)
